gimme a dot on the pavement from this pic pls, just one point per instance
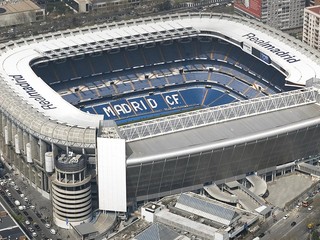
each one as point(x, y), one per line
point(281, 191)
point(287, 188)
point(43, 207)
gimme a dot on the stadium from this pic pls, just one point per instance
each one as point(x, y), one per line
point(126, 112)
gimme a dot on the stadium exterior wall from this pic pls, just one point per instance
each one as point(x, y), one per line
point(156, 179)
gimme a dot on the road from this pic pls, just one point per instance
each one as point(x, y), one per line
point(282, 229)
point(8, 201)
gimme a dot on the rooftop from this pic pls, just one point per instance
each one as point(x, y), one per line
point(223, 134)
point(314, 9)
point(157, 231)
point(70, 158)
point(17, 6)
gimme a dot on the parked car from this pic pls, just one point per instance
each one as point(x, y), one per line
point(22, 207)
point(17, 202)
point(293, 224)
point(36, 226)
point(286, 216)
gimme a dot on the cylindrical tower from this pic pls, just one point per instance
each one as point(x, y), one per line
point(71, 191)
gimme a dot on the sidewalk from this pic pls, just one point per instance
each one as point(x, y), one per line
point(43, 206)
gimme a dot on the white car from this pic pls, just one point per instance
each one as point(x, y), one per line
point(310, 208)
point(286, 216)
point(47, 225)
point(34, 234)
point(27, 222)
point(22, 207)
point(53, 231)
point(22, 195)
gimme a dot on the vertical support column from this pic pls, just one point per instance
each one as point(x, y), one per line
point(45, 186)
point(1, 123)
point(54, 151)
point(4, 122)
point(13, 133)
point(43, 150)
point(25, 140)
point(9, 127)
point(8, 141)
point(6, 135)
point(34, 147)
point(29, 153)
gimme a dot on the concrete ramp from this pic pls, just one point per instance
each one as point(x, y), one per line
point(215, 192)
point(308, 168)
point(258, 185)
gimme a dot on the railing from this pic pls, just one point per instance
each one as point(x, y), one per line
point(218, 114)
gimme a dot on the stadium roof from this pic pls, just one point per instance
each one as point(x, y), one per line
point(223, 134)
point(292, 56)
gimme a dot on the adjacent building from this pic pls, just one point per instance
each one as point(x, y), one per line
point(20, 12)
point(313, 3)
point(311, 26)
point(112, 5)
point(280, 14)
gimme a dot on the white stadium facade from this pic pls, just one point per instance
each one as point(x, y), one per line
point(66, 100)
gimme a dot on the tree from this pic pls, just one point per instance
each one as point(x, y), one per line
point(315, 235)
point(164, 6)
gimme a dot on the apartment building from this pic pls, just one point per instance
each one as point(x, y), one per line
point(311, 26)
point(280, 14)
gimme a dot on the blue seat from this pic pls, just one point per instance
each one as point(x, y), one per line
point(63, 70)
point(117, 60)
point(134, 58)
point(99, 63)
point(175, 79)
point(82, 67)
point(170, 52)
point(224, 99)
point(140, 84)
point(193, 96)
point(238, 85)
point(152, 55)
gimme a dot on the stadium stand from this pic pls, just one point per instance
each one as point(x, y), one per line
point(87, 84)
